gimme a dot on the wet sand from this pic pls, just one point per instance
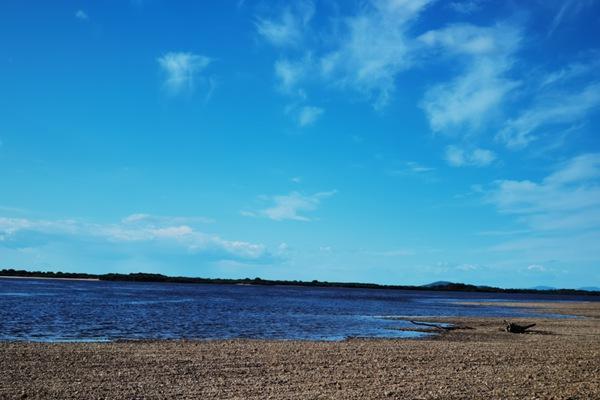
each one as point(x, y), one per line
point(560, 359)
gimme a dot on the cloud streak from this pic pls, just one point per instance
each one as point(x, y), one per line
point(468, 100)
point(81, 15)
point(567, 199)
point(182, 71)
point(373, 48)
point(289, 27)
point(458, 157)
point(550, 111)
point(292, 206)
point(138, 229)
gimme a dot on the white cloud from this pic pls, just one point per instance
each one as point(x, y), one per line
point(289, 27)
point(475, 96)
point(418, 168)
point(466, 6)
point(568, 8)
point(172, 232)
point(482, 157)
point(304, 115)
point(565, 248)
point(467, 267)
point(182, 71)
point(158, 232)
point(373, 48)
point(308, 115)
point(567, 199)
point(458, 157)
point(582, 168)
point(150, 219)
point(455, 156)
point(560, 109)
point(290, 73)
point(81, 15)
point(413, 169)
point(293, 206)
point(466, 39)
point(470, 99)
point(536, 268)
point(363, 52)
point(391, 253)
point(572, 71)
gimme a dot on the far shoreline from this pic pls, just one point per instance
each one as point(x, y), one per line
point(141, 277)
point(48, 278)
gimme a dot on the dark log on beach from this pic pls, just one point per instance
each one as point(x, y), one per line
point(516, 328)
point(438, 326)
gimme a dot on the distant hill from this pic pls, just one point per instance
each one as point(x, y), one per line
point(543, 288)
point(465, 287)
point(590, 289)
point(438, 284)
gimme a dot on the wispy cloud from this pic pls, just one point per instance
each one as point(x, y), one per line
point(367, 49)
point(304, 115)
point(475, 96)
point(288, 28)
point(418, 168)
point(587, 68)
point(459, 157)
point(365, 52)
point(391, 253)
point(81, 15)
point(182, 71)
point(550, 111)
point(149, 219)
point(466, 6)
point(536, 268)
point(412, 169)
point(567, 199)
point(290, 73)
point(467, 267)
point(292, 206)
point(373, 48)
point(308, 115)
point(568, 9)
point(157, 232)
point(566, 249)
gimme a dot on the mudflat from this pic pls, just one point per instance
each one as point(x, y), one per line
point(559, 359)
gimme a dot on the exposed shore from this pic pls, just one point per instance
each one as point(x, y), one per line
point(559, 360)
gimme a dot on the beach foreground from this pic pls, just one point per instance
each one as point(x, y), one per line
point(560, 359)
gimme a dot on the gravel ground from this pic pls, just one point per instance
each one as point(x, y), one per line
point(559, 360)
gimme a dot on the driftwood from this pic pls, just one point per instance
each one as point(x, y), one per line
point(516, 328)
point(438, 326)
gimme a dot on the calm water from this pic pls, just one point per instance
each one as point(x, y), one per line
point(50, 310)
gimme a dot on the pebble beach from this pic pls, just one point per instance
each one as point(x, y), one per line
point(559, 359)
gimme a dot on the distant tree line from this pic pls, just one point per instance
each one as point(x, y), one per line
point(146, 277)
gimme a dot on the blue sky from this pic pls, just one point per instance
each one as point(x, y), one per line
point(387, 141)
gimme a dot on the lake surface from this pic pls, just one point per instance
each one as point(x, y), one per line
point(54, 310)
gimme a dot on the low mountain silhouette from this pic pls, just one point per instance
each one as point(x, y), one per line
point(438, 284)
point(591, 288)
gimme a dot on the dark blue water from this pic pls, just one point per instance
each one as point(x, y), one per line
point(52, 310)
